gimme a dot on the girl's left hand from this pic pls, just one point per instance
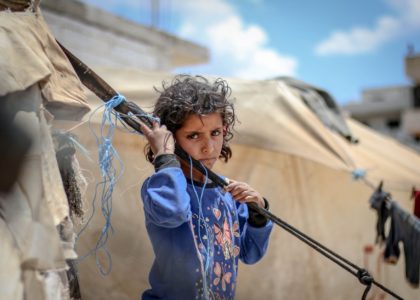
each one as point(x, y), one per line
point(243, 193)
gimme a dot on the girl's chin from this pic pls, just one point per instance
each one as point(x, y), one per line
point(209, 163)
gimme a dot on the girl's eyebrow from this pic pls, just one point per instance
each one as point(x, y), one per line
point(192, 131)
point(199, 131)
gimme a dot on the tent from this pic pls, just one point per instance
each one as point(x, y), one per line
point(284, 150)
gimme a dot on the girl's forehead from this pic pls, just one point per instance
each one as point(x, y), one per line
point(195, 121)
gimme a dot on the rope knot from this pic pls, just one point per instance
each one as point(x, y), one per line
point(114, 101)
point(358, 174)
point(364, 277)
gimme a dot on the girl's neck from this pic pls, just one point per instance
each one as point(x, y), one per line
point(196, 175)
point(198, 179)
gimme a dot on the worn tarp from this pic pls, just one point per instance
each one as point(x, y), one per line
point(10, 271)
point(37, 84)
point(29, 55)
point(37, 202)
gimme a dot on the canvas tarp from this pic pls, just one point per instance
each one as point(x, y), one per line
point(31, 55)
point(36, 82)
point(286, 153)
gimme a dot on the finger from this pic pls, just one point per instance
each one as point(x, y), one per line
point(247, 199)
point(233, 185)
point(144, 128)
point(237, 192)
point(255, 199)
point(240, 187)
point(242, 196)
point(155, 125)
point(229, 188)
point(229, 182)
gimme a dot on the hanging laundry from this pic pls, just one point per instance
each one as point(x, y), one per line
point(416, 197)
point(378, 202)
point(404, 228)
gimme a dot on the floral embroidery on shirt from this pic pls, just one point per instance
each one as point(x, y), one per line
point(217, 234)
point(222, 276)
point(223, 236)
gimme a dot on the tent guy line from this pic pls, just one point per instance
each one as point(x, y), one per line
point(126, 113)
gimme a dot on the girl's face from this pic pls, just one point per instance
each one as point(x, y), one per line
point(201, 136)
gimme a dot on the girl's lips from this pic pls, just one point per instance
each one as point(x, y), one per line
point(208, 160)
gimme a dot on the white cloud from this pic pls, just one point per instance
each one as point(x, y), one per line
point(230, 37)
point(236, 49)
point(359, 39)
point(387, 28)
point(267, 63)
point(409, 10)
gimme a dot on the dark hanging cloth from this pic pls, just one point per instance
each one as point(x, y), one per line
point(416, 197)
point(73, 281)
point(379, 203)
point(65, 150)
point(404, 228)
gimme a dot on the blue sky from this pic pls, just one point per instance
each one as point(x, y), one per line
point(341, 46)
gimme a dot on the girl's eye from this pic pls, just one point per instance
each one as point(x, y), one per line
point(192, 136)
point(216, 132)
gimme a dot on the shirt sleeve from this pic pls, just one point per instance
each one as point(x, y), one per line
point(165, 199)
point(254, 240)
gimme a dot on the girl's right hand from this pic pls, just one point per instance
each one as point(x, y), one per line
point(160, 138)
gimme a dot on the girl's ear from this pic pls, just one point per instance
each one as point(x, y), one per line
point(224, 130)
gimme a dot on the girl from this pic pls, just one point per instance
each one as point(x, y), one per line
point(198, 230)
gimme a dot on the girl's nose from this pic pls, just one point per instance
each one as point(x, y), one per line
point(207, 146)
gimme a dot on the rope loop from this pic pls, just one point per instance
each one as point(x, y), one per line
point(366, 279)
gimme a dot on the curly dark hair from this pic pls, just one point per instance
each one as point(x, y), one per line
point(187, 95)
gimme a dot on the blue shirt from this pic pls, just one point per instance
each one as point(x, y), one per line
point(197, 235)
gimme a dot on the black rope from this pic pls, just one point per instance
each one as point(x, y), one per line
point(129, 110)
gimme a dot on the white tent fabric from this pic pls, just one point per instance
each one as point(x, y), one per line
point(303, 168)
